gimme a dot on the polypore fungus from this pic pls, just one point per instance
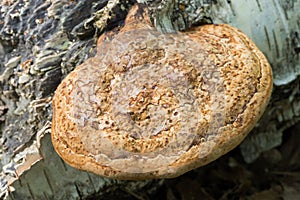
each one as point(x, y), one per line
point(153, 105)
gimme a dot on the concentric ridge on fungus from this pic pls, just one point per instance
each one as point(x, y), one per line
point(153, 105)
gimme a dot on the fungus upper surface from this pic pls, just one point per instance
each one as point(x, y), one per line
point(153, 105)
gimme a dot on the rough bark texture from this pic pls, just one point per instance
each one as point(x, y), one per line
point(42, 41)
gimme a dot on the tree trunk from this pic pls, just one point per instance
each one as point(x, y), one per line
point(42, 41)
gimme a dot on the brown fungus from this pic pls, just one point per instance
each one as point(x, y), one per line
point(153, 105)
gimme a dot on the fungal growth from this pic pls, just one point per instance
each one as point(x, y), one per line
point(153, 105)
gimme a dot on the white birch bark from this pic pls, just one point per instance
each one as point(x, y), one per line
point(36, 172)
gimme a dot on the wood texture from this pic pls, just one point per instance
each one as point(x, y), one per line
point(42, 41)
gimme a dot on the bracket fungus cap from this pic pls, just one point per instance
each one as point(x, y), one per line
point(153, 105)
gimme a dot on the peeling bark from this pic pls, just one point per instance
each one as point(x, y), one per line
point(42, 41)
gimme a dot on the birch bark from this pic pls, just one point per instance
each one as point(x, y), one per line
point(41, 41)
